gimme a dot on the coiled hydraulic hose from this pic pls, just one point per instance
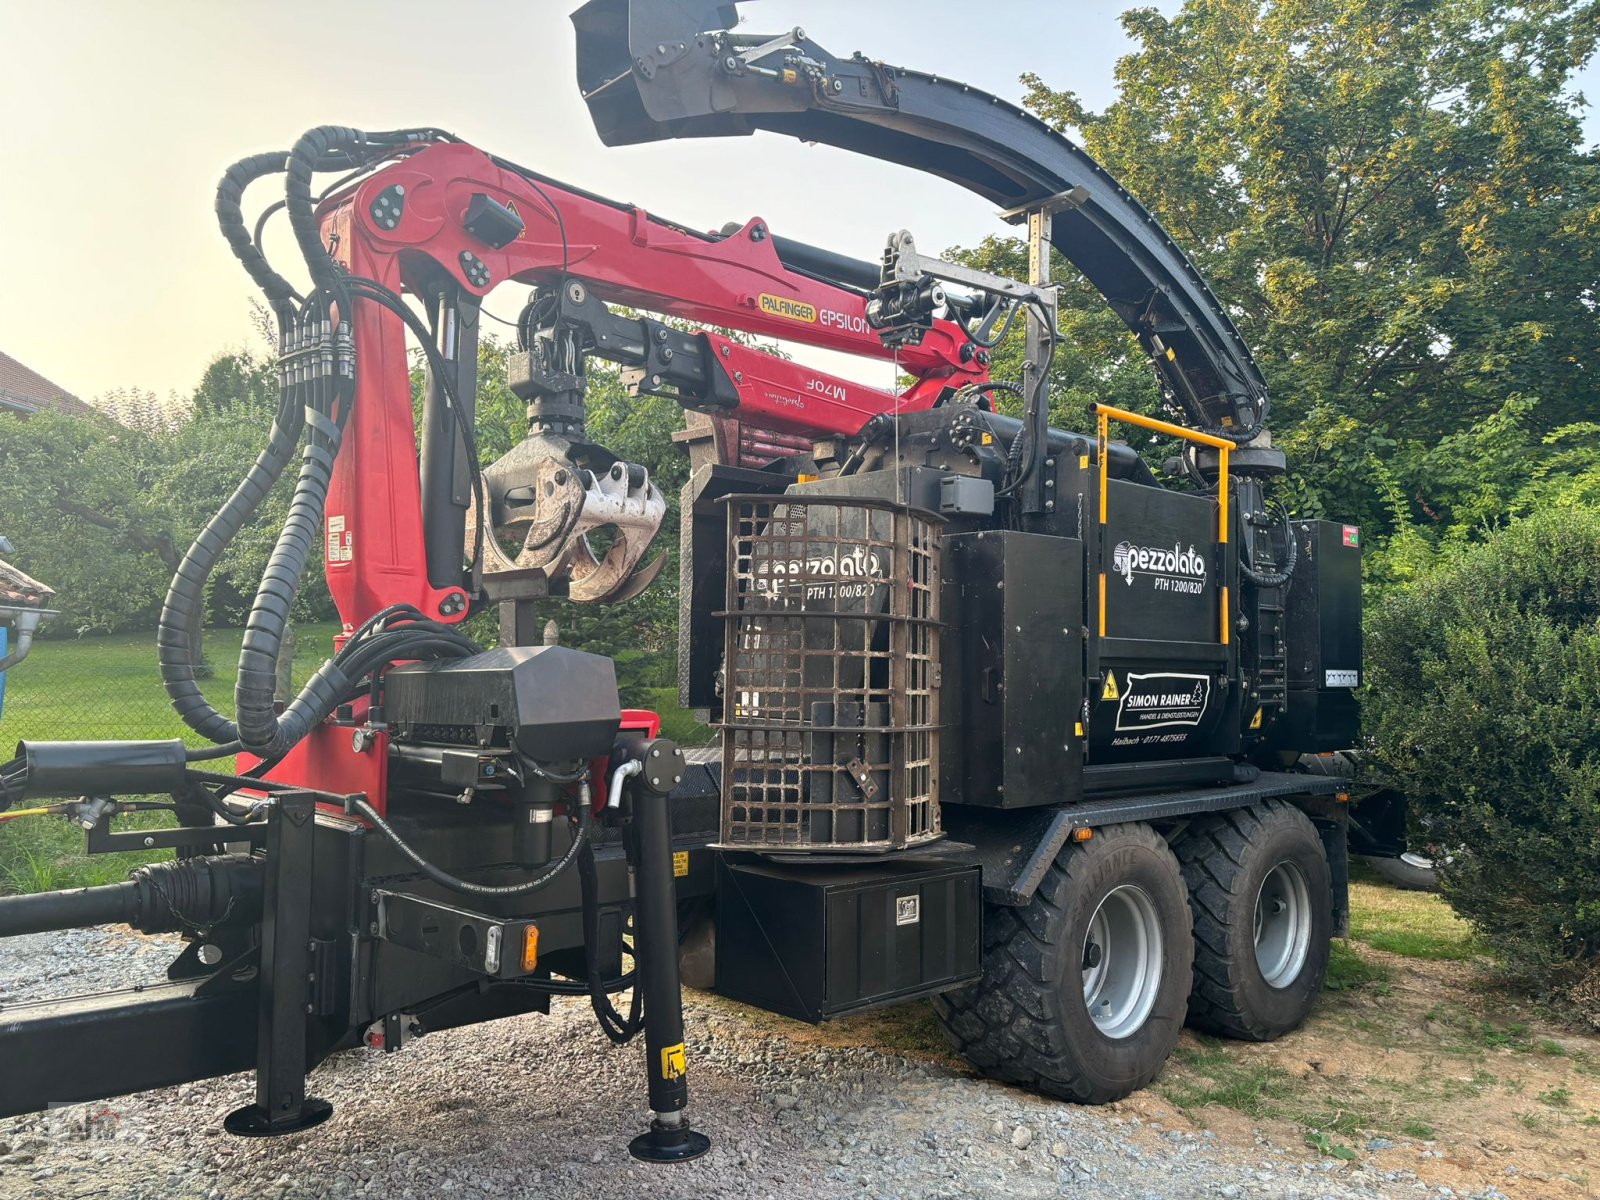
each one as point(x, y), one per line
point(317, 386)
point(444, 879)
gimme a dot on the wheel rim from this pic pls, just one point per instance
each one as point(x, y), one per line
point(1122, 952)
point(1282, 925)
point(1418, 861)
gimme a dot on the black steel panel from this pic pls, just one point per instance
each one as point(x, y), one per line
point(819, 942)
point(1163, 685)
point(1013, 687)
point(1161, 565)
point(1323, 640)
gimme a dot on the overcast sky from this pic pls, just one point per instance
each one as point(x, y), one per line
point(117, 118)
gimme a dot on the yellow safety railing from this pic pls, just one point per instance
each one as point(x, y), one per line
point(1107, 414)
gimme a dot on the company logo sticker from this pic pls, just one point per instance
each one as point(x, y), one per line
point(842, 574)
point(790, 310)
point(1155, 701)
point(1178, 569)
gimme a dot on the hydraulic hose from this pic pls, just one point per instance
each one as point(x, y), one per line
point(230, 218)
point(260, 729)
point(465, 887)
point(618, 1029)
point(186, 594)
point(317, 386)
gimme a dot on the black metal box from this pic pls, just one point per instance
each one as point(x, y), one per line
point(552, 702)
point(815, 942)
point(1013, 670)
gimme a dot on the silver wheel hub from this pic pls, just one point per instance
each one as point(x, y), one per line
point(1122, 953)
point(1282, 925)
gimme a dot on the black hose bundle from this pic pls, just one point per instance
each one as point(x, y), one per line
point(1291, 555)
point(317, 373)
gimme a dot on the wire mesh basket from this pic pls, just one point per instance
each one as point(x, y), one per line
point(830, 738)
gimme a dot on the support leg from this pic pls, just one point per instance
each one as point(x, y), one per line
point(282, 1105)
point(656, 950)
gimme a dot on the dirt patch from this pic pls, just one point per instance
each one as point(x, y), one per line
point(1431, 1073)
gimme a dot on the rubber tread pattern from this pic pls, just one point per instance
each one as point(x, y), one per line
point(1008, 1024)
point(1212, 853)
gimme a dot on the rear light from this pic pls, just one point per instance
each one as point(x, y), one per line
point(530, 949)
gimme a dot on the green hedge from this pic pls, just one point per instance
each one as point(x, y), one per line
point(1484, 701)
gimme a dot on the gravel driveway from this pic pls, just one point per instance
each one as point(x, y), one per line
point(537, 1107)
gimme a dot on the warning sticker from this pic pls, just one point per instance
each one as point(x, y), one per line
point(680, 863)
point(1157, 700)
point(341, 541)
point(674, 1062)
point(517, 213)
point(1255, 721)
point(1109, 692)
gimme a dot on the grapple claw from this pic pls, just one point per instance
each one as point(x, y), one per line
point(555, 511)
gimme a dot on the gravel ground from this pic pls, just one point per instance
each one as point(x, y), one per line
point(538, 1107)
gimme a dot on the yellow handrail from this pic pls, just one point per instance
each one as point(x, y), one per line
point(1106, 414)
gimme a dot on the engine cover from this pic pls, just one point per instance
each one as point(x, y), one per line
point(550, 703)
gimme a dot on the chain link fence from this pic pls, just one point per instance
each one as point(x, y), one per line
point(110, 686)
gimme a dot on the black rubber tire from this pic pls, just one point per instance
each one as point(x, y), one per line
point(1226, 858)
point(1396, 872)
point(1025, 1021)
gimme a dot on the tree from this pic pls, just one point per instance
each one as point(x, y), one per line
point(105, 510)
point(1392, 199)
point(1484, 697)
point(75, 491)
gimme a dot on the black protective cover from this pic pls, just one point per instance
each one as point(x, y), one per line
point(1323, 635)
point(555, 703)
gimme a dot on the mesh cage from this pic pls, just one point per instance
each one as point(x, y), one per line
point(830, 738)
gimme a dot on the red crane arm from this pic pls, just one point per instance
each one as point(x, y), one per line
point(406, 226)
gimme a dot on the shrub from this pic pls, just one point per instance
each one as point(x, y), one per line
point(1483, 699)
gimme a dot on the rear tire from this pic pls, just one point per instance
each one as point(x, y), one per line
point(1262, 905)
point(1404, 873)
point(1108, 926)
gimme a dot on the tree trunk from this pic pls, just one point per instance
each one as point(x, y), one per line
point(284, 691)
point(202, 665)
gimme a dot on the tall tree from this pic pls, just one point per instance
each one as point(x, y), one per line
point(1393, 199)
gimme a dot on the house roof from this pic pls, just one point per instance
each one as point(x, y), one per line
point(20, 590)
point(24, 390)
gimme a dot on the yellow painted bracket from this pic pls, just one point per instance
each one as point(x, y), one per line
point(1107, 414)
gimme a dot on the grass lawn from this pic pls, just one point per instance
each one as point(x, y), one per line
point(110, 687)
point(107, 687)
